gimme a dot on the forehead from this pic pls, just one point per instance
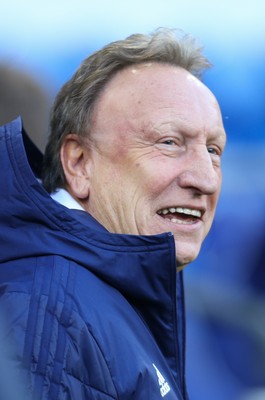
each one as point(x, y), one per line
point(159, 80)
point(157, 93)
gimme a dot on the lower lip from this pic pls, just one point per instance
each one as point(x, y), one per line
point(192, 226)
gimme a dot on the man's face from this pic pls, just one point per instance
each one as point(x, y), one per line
point(157, 140)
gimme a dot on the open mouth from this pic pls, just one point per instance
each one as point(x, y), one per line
point(181, 215)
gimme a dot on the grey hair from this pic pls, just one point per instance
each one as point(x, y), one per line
point(73, 106)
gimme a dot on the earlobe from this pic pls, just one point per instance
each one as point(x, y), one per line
point(76, 165)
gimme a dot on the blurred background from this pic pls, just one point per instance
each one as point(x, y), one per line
point(41, 45)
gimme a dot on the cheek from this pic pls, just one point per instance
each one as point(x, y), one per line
point(212, 209)
point(216, 197)
point(158, 182)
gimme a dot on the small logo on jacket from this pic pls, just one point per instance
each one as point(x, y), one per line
point(164, 386)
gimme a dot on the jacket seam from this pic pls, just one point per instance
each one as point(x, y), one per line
point(102, 353)
point(91, 386)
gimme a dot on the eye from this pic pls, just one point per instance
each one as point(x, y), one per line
point(169, 142)
point(214, 151)
point(169, 145)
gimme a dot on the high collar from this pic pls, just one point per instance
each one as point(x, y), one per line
point(132, 263)
point(148, 261)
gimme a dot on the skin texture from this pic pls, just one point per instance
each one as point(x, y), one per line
point(157, 140)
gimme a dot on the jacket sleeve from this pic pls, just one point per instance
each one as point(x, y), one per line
point(50, 347)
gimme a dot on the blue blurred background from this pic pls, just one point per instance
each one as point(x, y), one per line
point(225, 286)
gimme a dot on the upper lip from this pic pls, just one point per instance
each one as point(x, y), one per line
point(186, 209)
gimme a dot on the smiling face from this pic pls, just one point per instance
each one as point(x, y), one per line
point(154, 163)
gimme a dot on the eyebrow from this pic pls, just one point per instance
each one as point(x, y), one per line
point(219, 135)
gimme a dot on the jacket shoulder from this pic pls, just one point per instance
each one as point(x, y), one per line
point(51, 342)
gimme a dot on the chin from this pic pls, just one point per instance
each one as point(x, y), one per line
point(184, 258)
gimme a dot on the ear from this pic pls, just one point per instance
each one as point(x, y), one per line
point(76, 165)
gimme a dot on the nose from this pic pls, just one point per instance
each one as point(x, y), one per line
point(199, 173)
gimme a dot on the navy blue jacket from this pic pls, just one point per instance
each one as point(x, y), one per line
point(90, 314)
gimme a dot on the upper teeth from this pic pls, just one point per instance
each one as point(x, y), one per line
point(189, 211)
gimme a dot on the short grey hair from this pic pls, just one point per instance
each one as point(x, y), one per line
point(73, 106)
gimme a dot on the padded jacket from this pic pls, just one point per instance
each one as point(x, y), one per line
point(89, 314)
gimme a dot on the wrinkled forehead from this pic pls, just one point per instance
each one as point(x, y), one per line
point(158, 81)
point(153, 92)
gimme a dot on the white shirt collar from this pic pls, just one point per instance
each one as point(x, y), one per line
point(63, 197)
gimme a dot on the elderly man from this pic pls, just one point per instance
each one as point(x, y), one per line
point(91, 280)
